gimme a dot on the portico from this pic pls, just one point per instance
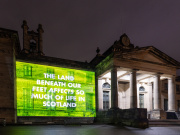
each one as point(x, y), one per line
point(130, 88)
point(136, 77)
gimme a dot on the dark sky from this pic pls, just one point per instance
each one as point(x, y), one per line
point(75, 28)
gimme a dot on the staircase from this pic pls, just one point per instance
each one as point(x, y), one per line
point(168, 122)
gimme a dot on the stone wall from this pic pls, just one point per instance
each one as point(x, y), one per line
point(7, 75)
point(56, 120)
point(136, 117)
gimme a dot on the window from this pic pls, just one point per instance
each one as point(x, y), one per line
point(165, 86)
point(141, 88)
point(70, 73)
point(27, 70)
point(27, 100)
point(89, 78)
point(106, 85)
point(89, 102)
point(178, 88)
point(165, 104)
point(105, 100)
point(141, 100)
point(50, 71)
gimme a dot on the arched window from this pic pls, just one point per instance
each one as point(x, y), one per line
point(106, 85)
point(141, 88)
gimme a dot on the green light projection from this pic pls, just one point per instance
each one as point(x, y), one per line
point(54, 91)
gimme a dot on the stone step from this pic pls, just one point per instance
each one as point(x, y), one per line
point(164, 122)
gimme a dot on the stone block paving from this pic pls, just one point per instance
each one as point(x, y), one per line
point(86, 130)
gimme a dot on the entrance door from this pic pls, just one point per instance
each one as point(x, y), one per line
point(105, 100)
point(141, 100)
point(165, 104)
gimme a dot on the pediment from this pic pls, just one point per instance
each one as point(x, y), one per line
point(152, 55)
point(146, 56)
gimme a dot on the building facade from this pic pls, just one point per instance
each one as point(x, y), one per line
point(133, 77)
point(126, 76)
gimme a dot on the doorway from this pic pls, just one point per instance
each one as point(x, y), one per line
point(141, 100)
point(105, 100)
point(165, 104)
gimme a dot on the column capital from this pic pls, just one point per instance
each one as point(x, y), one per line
point(157, 74)
point(149, 84)
point(114, 67)
point(170, 77)
point(133, 71)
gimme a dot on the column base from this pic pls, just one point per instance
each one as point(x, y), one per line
point(170, 111)
point(158, 114)
point(114, 108)
point(100, 110)
point(171, 114)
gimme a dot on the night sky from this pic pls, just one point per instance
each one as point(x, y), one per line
point(73, 29)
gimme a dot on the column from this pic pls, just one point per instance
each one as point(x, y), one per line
point(133, 89)
point(171, 94)
point(138, 85)
point(157, 94)
point(150, 96)
point(100, 95)
point(114, 89)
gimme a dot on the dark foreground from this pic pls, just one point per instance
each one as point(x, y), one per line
point(86, 130)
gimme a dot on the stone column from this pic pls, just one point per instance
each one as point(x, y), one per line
point(138, 85)
point(100, 95)
point(150, 96)
point(157, 94)
point(171, 94)
point(133, 89)
point(114, 89)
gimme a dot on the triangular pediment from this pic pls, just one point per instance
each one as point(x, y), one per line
point(146, 56)
point(152, 55)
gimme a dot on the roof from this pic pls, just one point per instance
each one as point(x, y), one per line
point(55, 62)
point(118, 49)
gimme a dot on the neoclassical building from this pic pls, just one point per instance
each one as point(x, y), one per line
point(127, 77)
point(137, 77)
